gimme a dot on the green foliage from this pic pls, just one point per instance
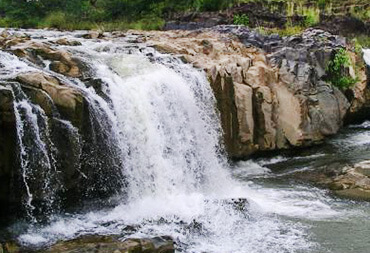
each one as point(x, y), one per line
point(335, 70)
point(288, 31)
point(357, 46)
point(321, 4)
point(88, 14)
point(55, 20)
point(143, 14)
point(312, 17)
point(363, 40)
point(212, 5)
point(242, 19)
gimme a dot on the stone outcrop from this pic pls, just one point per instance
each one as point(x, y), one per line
point(272, 92)
point(36, 52)
point(348, 181)
point(101, 244)
point(353, 182)
point(69, 131)
point(47, 91)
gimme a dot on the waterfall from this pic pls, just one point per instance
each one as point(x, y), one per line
point(36, 155)
point(169, 131)
point(150, 151)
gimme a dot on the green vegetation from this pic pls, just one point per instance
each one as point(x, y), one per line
point(336, 70)
point(93, 14)
point(288, 31)
point(311, 17)
point(150, 14)
point(242, 19)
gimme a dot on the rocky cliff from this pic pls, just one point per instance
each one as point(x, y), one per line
point(272, 92)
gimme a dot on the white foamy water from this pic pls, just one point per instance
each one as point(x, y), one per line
point(165, 125)
point(367, 56)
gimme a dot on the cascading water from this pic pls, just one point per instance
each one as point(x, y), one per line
point(367, 56)
point(154, 120)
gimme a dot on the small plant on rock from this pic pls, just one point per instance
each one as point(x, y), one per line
point(336, 70)
point(242, 19)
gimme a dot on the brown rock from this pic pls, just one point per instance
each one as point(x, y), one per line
point(65, 42)
point(105, 244)
point(354, 193)
point(67, 99)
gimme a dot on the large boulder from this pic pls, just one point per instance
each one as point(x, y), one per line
point(42, 87)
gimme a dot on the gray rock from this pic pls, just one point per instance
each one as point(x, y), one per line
point(103, 244)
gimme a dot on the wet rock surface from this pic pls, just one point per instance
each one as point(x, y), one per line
point(349, 181)
point(67, 128)
point(100, 244)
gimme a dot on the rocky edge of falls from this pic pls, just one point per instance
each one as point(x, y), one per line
point(271, 92)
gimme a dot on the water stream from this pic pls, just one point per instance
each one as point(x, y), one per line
point(155, 121)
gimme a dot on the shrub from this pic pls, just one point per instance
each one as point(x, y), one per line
point(335, 70)
point(241, 19)
point(56, 20)
point(311, 18)
point(211, 5)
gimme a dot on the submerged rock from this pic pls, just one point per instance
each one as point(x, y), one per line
point(349, 181)
point(112, 244)
point(354, 182)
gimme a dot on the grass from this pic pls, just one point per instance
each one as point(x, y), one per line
point(311, 16)
point(288, 31)
point(362, 41)
point(59, 20)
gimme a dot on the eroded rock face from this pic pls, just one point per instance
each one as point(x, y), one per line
point(73, 142)
point(272, 92)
